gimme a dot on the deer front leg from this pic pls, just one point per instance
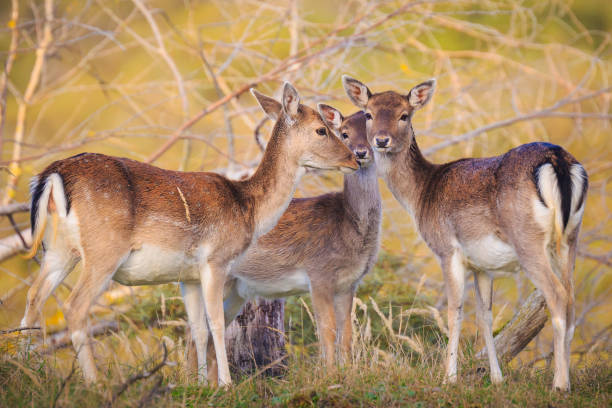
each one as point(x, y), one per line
point(232, 304)
point(323, 304)
point(454, 276)
point(213, 279)
point(483, 286)
point(343, 305)
point(196, 315)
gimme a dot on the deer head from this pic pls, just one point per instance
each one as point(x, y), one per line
point(388, 114)
point(313, 144)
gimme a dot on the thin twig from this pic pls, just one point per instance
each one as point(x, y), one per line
point(64, 382)
point(140, 376)
point(19, 329)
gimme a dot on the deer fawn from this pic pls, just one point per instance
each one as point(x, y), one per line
point(141, 225)
point(522, 209)
point(323, 244)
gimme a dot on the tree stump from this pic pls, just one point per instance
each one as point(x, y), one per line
point(255, 340)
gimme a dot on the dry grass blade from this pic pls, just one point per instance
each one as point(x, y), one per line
point(412, 343)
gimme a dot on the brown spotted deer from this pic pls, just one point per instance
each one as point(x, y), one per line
point(323, 245)
point(142, 225)
point(522, 209)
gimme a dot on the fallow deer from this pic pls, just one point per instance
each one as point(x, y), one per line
point(323, 245)
point(141, 225)
point(522, 209)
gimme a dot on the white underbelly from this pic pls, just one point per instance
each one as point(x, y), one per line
point(290, 283)
point(152, 265)
point(491, 254)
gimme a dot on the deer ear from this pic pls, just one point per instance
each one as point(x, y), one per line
point(269, 105)
point(421, 94)
point(291, 100)
point(331, 116)
point(357, 92)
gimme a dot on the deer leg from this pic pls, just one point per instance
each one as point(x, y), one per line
point(55, 267)
point(483, 285)
point(323, 304)
point(94, 279)
point(343, 305)
point(537, 266)
point(454, 276)
point(213, 280)
point(569, 264)
point(232, 304)
point(196, 315)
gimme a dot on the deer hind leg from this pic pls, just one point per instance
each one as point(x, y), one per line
point(568, 260)
point(94, 279)
point(571, 306)
point(343, 305)
point(454, 276)
point(55, 267)
point(323, 305)
point(538, 267)
point(483, 286)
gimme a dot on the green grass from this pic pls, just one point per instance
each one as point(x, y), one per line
point(398, 383)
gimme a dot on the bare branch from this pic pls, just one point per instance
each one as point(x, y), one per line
point(14, 208)
point(12, 245)
point(27, 96)
point(8, 66)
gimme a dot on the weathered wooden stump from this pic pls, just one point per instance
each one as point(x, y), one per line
point(255, 340)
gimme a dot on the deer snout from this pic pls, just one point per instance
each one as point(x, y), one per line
point(382, 142)
point(361, 154)
point(350, 164)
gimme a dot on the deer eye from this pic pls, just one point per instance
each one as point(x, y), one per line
point(368, 116)
point(321, 131)
point(344, 135)
point(404, 117)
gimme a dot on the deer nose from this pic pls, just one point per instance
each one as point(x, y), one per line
point(382, 141)
point(361, 154)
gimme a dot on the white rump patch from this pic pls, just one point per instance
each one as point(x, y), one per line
point(578, 176)
point(549, 190)
point(59, 195)
point(549, 186)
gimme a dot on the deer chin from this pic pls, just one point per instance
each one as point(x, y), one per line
point(347, 170)
point(345, 167)
point(364, 163)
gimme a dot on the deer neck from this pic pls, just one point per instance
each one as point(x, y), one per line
point(273, 184)
point(406, 173)
point(361, 194)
